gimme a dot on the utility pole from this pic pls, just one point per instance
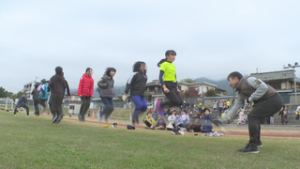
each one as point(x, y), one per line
point(295, 84)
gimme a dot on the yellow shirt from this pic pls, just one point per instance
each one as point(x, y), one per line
point(170, 72)
point(228, 103)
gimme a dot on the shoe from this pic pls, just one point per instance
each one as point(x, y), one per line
point(181, 132)
point(58, 119)
point(151, 128)
point(250, 148)
point(54, 119)
point(173, 132)
point(178, 133)
point(147, 128)
point(259, 144)
point(80, 117)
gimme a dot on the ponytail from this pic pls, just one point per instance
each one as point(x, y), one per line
point(168, 53)
point(161, 61)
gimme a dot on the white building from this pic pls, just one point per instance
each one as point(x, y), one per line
point(203, 87)
point(28, 87)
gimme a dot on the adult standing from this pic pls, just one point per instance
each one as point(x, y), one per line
point(105, 89)
point(85, 92)
point(266, 103)
point(137, 85)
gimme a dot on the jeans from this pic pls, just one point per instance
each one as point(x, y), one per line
point(109, 108)
point(140, 107)
point(24, 106)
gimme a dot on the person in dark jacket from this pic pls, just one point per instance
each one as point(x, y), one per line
point(137, 85)
point(85, 92)
point(57, 86)
point(35, 96)
point(266, 103)
point(206, 122)
point(105, 89)
point(43, 94)
point(195, 123)
point(22, 103)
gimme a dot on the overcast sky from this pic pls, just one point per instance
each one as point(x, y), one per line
point(211, 38)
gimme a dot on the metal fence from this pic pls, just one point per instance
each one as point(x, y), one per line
point(7, 102)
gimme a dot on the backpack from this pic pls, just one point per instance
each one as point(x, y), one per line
point(44, 93)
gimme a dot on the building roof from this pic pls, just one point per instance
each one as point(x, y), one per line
point(197, 84)
point(153, 83)
point(275, 75)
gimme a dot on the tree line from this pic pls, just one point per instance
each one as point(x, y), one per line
point(4, 93)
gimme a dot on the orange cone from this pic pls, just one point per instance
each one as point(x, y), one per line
point(93, 116)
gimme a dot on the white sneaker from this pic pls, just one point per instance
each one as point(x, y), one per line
point(173, 132)
point(181, 132)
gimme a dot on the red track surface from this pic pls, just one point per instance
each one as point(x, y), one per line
point(233, 134)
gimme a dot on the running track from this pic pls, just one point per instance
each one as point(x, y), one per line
point(233, 134)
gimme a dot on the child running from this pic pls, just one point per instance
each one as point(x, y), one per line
point(105, 89)
point(137, 84)
point(85, 92)
point(43, 96)
point(168, 80)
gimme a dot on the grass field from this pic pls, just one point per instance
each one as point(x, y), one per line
point(33, 142)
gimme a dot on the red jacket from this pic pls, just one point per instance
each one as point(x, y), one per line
point(86, 86)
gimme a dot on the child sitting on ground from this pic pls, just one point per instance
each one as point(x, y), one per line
point(160, 124)
point(177, 124)
point(185, 118)
point(207, 122)
point(149, 121)
point(196, 122)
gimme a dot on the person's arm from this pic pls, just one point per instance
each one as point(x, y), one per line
point(130, 81)
point(103, 82)
point(160, 77)
point(234, 108)
point(259, 85)
point(92, 89)
point(79, 92)
point(67, 86)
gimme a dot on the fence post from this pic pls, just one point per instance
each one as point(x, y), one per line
point(6, 104)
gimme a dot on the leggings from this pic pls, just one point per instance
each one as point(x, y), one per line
point(140, 107)
point(174, 98)
point(85, 105)
point(109, 108)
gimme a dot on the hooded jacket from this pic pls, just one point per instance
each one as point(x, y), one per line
point(22, 101)
point(86, 86)
point(105, 87)
point(136, 84)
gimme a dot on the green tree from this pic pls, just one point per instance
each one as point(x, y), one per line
point(17, 95)
point(188, 80)
point(211, 92)
point(3, 92)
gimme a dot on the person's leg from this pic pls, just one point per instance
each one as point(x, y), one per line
point(110, 110)
point(87, 106)
point(174, 98)
point(139, 107)
point(27, 109)
point(260, 111)
point(16, 108)
point(147, 124)
point(107, 107)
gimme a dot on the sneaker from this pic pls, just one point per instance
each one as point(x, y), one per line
point(181, 132)
point(250, 148)
point(259, 144)
point(58, 119)
point(178, 133)
point(54, 119)
point(173, 132)
point(147, 127)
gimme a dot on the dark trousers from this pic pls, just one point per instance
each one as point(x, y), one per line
point(24, 106)
point(36, 106)
point(261, 110)
point(108, 107)
point(147, 124)
point(85, 105)
point(55, 104)
point(174, 98)
point(140, 107)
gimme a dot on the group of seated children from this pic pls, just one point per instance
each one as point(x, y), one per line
point(177, 123)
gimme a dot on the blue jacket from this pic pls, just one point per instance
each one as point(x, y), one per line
point(22, 101)
point(44, 92)
point(207, 124)
point(178, 120)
